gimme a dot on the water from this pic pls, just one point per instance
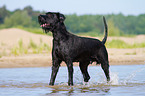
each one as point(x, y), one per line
point(126, 80)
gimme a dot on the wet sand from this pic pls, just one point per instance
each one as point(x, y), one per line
point(116, 57)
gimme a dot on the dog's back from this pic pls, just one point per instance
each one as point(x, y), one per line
point(79, 48)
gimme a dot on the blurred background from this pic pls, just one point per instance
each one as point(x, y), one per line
point(83, 16)
point(20, 33)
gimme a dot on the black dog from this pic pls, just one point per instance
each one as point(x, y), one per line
point(71, 48)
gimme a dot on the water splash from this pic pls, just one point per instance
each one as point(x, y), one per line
point(114, 79)
point(132, 75)
point(99, 78)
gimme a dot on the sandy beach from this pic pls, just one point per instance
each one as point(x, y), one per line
point(10, 38)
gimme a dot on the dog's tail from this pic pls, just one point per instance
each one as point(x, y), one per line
point(106, 31)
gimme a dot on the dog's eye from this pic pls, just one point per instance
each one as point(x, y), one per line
point(49, 16)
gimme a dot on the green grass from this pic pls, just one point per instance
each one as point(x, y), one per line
point(3, 51)
point(31, 48)
point(36, 49)
point(2, 54)
point(134, 53)
point(121, 44)
point(32, 44)
point(92, 34)
point(37, 31)
point(115, 43)
point(15, 51)
point(34, 30)
point(20, 49)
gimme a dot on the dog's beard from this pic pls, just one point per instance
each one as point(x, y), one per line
point(45, 30)
point(45, 27)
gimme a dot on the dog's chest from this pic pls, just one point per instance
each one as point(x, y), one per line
point(61, 50)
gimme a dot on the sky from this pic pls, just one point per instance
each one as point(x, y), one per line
point(80, 7)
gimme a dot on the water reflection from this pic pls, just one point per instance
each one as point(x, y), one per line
point(70, 91)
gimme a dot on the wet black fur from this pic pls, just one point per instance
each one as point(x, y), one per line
point(71, 48)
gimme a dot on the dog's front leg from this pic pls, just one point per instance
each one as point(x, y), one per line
point(70, 72)
point(55, 67)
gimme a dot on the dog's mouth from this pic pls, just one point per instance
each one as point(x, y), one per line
point(46, 27)
point(43, 24)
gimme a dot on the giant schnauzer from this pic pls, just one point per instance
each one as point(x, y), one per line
point(70, 48)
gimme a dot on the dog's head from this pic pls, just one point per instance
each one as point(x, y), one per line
point(49, 21)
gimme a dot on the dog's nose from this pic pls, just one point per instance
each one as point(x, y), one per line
point(39, 16)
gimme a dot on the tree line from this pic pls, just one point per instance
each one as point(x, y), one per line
point(118, 24)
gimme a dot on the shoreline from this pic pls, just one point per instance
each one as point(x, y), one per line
point(44, 60)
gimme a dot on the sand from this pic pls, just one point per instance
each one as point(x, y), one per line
point(10, 38)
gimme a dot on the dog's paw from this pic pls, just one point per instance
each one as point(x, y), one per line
point(85, 83)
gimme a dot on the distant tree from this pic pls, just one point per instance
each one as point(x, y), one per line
point(113, 30)
point(29, 9)
point(118, 24)
point(19, 18)
point(140, 24)
point(130, 23)
point(33, 14)
point(3, 13)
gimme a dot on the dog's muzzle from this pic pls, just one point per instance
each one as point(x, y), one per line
point(42, 21)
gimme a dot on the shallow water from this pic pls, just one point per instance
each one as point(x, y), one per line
point(126, 80)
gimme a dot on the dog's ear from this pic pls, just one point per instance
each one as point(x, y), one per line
point(61, 17)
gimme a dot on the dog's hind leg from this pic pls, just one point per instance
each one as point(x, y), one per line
point(105, 67)
point(103, 58)
point(84, 69)
point(55, 68)
point(70, 72)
